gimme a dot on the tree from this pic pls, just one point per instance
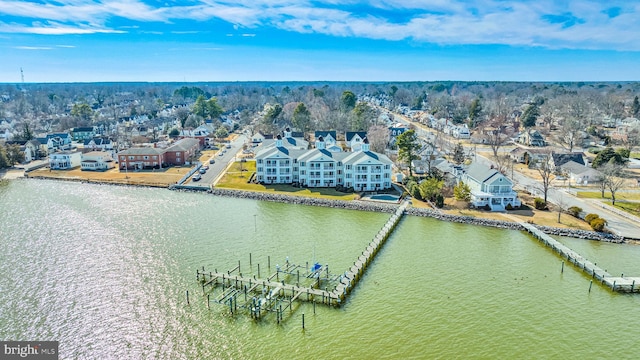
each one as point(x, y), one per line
point(378, 137)
point(213, 109)
point(458, 154)
point(613, 178)
point(4, 160)
point(545, 171)
point(430, 188)
point(200, 107)
point(82, 111)
point(348, 100)
point(301, 117)
point(530, 116)
point(571, 132)
point(26, 132)
point(608, 155)
point(14, 155)
point(462, 192)
point(182, 114)
point(474, 111)
point(635, 107)
point(561, 205)
point(408, 145)
point(174, 132)
point(272, 114)
point(363, 112)
point(222, 132)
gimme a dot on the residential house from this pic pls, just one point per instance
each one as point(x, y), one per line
point(461, 132)
point(489, 188)
point(362, 170)
point(531, 138)
point(557, 160)
point(354, 139)
point(82, 133)
point(330, 137)
point(65, 160)
point(288, 141)
point(56, 142)
point(33, 150)
point(99, 143)
point(529, 156)
point(394, 131)
point(141, 158)
point(182, 152)
point(97, 161)
point(580, 174)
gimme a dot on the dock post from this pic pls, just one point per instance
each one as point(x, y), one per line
point(633, 283)
point(269, 262)
point(562, 271)
point(314, 308)
point(203, 289)
point(239, 266)
point(197, 275)
point(208, 303)
point(298, 275)
point(302, 321)
point(258, 270)
point(613, 287)
point(188, 295)
point(231, 306)
point(590, 284)
point(250, 259)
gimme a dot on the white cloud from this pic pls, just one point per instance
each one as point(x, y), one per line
point(548, 23)
point(33, 48)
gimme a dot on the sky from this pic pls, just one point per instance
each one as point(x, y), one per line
point(323, 40)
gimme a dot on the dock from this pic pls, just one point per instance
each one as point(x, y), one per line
point(290, 283)
point(615, 283)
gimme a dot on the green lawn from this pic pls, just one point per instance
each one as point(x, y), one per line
point(631, 208)
point(237, 179)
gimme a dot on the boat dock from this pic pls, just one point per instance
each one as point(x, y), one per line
point(278, 292)
point(615, 283)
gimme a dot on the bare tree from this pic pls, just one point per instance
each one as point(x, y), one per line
point(613, 179)
point(561, 205)
point(571, 132)
point(378, 137)
point(544, 169)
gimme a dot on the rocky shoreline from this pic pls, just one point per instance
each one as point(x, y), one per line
point(390, 208)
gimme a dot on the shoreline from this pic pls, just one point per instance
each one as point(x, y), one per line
point(370, 206)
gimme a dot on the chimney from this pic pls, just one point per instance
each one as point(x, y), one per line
point(365, 144)
point(320, 143)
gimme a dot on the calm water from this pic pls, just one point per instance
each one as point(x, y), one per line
point(104, 270)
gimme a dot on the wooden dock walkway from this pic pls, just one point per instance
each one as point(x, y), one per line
point(615, 283)
point(275, 294)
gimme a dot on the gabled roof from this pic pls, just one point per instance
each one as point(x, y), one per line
point(142, 151)
point(324, 134)
point(82, 129)
point(97, 141)
point(184, 144)
point(351, 134)
point(561, 159)
point(480, 172)
point(575, 168)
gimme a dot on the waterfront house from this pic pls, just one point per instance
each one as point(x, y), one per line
point(33, 150)
point(361, 170)
point(56, 142)
point(556, 160)
point(182, 152)
point(97, 161)
point(64, 160)
point(489, 188)
point(287, 140)
point(580, 174)
point(141, 158)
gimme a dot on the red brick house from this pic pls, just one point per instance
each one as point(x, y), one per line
point(182, 152)
point(141, 158)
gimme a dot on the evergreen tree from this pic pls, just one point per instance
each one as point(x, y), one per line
point(408, 145)
point(458, 154)
point(530, 116)
point(474, 112)
point(635, 107)
point(348, 100)
point(301, 117)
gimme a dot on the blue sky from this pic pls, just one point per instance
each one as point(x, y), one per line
point(337, 40)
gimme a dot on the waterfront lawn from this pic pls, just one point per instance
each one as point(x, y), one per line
point(632, 208)
point(234, 178)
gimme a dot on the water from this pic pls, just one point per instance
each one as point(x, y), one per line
point(104, 270)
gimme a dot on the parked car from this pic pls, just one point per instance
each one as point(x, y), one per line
point(202, 170)
point(228, 146)
point(206, 167)
point(212, 161)
point(197, 177)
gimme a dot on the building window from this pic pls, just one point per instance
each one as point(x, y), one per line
point(131, 157)
point(259, 161)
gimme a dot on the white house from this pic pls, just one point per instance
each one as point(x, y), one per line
point(361, 170)
point(97, 161)
point(489, 187)
point(461, 132)
point(65, 160)
point(580, 174)
point(354, 139)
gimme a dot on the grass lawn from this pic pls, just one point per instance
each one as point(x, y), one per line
point(160, 178)
point(238, 175)
point(630, 207)
point(630, 196)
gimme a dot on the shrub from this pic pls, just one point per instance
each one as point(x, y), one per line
point(590, 217)
point(486, 207)
point(509, 207)
point(574, 211)
point(539, 204)
point(597, 224)
point(439, 201)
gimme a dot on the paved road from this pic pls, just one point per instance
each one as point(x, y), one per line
point(222, 159)
point(616, 223)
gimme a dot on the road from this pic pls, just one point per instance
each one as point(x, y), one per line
point(222, 162)
point(615, 223)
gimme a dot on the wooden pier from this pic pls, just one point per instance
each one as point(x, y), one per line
point(615, 283)
point(290, 283)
